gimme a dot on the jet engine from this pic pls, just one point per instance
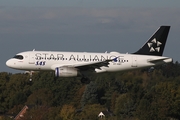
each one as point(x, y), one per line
point(66, 72)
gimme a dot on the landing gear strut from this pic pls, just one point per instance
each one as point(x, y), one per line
point(30, 74)
point(30, 79)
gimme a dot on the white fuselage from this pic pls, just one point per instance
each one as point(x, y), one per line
point(47, 60)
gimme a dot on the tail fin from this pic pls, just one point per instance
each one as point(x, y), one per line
point(155, 45)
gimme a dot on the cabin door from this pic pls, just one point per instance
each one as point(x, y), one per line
point(134, 61)
point(31, 59)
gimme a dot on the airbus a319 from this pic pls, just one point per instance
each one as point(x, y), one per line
point(83, 64)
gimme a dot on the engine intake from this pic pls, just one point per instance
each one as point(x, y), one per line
point(66, 72)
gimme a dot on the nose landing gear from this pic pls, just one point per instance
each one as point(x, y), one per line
point(30, 74)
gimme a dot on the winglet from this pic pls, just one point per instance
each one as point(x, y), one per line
point(155, 45)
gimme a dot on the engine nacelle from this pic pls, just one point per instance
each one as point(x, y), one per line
point(66, 72)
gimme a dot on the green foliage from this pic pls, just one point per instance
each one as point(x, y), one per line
point(90, 94)
point(125, 106)
point(89, 112)
point(130, 95)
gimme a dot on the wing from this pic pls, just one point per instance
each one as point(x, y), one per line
point(90, 66)
point(94, 65)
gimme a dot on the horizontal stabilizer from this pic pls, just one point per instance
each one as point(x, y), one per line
point(160, 60)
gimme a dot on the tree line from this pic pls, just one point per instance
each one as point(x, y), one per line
point(130, 95)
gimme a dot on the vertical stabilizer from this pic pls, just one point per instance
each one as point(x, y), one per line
point(155, 45)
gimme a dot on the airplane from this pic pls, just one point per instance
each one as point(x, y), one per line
point(83, 64)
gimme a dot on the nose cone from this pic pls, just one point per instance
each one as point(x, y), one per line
point(10, 63)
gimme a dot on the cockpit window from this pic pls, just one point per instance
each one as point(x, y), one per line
point(20, 57)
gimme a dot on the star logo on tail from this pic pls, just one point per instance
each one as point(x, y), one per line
point(154, 45)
